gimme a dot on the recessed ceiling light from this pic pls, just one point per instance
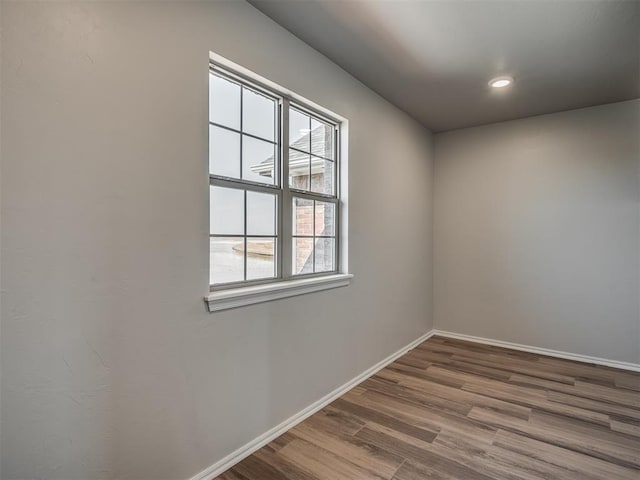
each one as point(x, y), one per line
point(501, 82)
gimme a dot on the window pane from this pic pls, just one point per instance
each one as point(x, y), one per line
point(258, 115)
point(224, 152)
point(302, 216)
point(226, 211)
point(226, 259)
point(302, 255)
point(321, 139)
point(261, 213)
point(325, 254)
point(224, 102)
point(299, 130)
point(299, 164)
point(325, 218)
point(261, 254)
point(258, 160)
point(321, 176)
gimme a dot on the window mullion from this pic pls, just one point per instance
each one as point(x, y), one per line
point(244, 252)
point(314, 196)
point(242, 185)
point(313, 244)
point(287, 206)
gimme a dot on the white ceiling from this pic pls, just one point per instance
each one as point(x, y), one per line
point(433, 58)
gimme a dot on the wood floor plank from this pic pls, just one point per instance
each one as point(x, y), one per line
point(517, 366)
point(474, 367)
point(232, 475)
point(627, 427)
point(431, 356)
point(563, 435)
point(336, 422)
point(580, 396)
point(433, 388)
point(581, 465)
point(413, 471)
point(479, 351)
point(524, 466)
point(439, 376)
point(420, 456)
point(447, 405)
point(452, 409)
point(532, 400)
point(437, 419)
point(585, 429)
point(614, 395)
point(593, 405)
point(413, 360)
point(494, 461)
point(411, 440)
point(281, 441)
point(437, 470)
point(628, 381)
point(521, 395)
point(324, 465)
point(254, 467)
point(389, 421)
point(368, 457)
point(584, 371)
point(284, 466)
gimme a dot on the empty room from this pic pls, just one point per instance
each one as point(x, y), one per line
point(319, 239)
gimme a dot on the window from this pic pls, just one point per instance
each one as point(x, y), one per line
point(274, 165)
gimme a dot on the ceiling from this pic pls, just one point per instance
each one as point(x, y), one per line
point(433, 58)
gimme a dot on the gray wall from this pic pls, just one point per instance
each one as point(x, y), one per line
point(536, 236)
point(111, 367)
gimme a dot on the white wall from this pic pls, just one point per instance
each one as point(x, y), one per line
point(111, 367)
point(536, 236)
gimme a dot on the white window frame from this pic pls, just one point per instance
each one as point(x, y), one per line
point(232, 295)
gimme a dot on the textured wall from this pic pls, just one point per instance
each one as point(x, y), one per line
point(111, 368)
point(536, 236)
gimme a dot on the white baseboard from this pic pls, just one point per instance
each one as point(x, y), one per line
point(230, 460)
point(634, 367)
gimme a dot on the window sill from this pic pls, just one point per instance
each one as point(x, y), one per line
point(239, 297)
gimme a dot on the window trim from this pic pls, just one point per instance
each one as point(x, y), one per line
point(234, 294)
point(249, 295)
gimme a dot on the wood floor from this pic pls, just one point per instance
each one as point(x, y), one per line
point(457, 410)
